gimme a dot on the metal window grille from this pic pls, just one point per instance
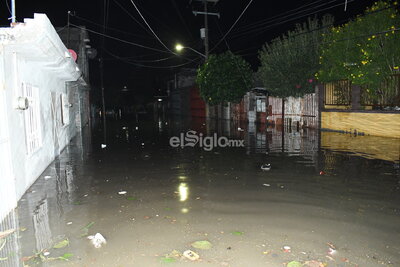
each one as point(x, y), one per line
point(32, 119)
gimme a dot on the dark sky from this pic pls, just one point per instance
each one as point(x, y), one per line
point(173, 21)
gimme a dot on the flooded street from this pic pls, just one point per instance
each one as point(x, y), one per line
point(329, 198)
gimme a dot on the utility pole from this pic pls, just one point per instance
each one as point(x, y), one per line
point(68, 34)
point(13, 15)
point(206, 14)
point(206, 30)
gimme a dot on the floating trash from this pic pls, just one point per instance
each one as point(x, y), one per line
point(266, 167)
point(286, 249)
point(97, 240)
point(122, 193)
point(103, 145)
point(191, 255)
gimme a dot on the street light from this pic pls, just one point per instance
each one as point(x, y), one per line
point(180, 47)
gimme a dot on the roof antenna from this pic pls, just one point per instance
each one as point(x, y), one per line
point(345, 5)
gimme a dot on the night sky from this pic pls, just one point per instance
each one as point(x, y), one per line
point(144, 71)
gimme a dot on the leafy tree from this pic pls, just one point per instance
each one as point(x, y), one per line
point(224, 78)
point(289, 62)
point(365, 51)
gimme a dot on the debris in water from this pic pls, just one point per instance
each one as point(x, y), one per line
point(85, 230)
point(314, 263)
point(266, 185)
point(69, 223)
point(47, 177)
point(191, 255)
point(122, 192)
point(237, 233)
point(286, 249)
point(202, 244)
point(240, 129)
point(266, 167)
point(46, 253)
point(6, 233)
point(103, 145)
point(322, 173)
point(97, 240)
point(62, 244)
point(294, 264)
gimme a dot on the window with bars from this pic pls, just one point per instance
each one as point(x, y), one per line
point(32, 118)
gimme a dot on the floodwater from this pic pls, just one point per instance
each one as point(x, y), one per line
point(332, 199)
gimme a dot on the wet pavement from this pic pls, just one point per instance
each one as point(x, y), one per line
point(329, 199)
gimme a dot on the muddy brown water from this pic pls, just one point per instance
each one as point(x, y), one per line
point(322, 191)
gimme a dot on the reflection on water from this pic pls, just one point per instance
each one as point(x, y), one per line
point(322, 187)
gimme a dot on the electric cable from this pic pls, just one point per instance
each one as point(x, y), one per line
point(137, 9)
point(120, 40)
point(233, 25)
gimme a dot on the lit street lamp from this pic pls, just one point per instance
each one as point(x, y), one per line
point(180, 47)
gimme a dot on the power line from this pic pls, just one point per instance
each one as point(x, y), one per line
point(261, 29)
point(280, 16)
point(137, 9)
point(131, 16)
point(233, 25)
point(120, 40)
point(148, 66)
point(110, 28)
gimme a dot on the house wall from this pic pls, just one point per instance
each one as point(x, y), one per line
point(32, 53)
point(370, 123)
point(55, 136)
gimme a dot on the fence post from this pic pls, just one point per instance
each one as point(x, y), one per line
point(355, 97)
point(320, 91)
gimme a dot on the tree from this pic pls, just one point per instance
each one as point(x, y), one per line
point(365, 51)
point(224, 78)
point(289, 62)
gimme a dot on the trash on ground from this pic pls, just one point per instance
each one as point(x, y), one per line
point(103, 145)
point(97, 240)
point(122, 192)
point(47, 177)
point(240, 129)
point(202, 244)
point(286, 249)
point(191, 255)
point(322, 173)
point(237, 233)
point(266, 167)
point(62, 244)
point(294, 264)
point(46, 253)
point(6, 233)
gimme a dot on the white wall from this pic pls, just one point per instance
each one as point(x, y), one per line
point(34, 55)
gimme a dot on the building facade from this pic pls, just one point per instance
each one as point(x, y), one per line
point(40, 112)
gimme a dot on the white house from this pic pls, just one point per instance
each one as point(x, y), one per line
point(40, 88)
